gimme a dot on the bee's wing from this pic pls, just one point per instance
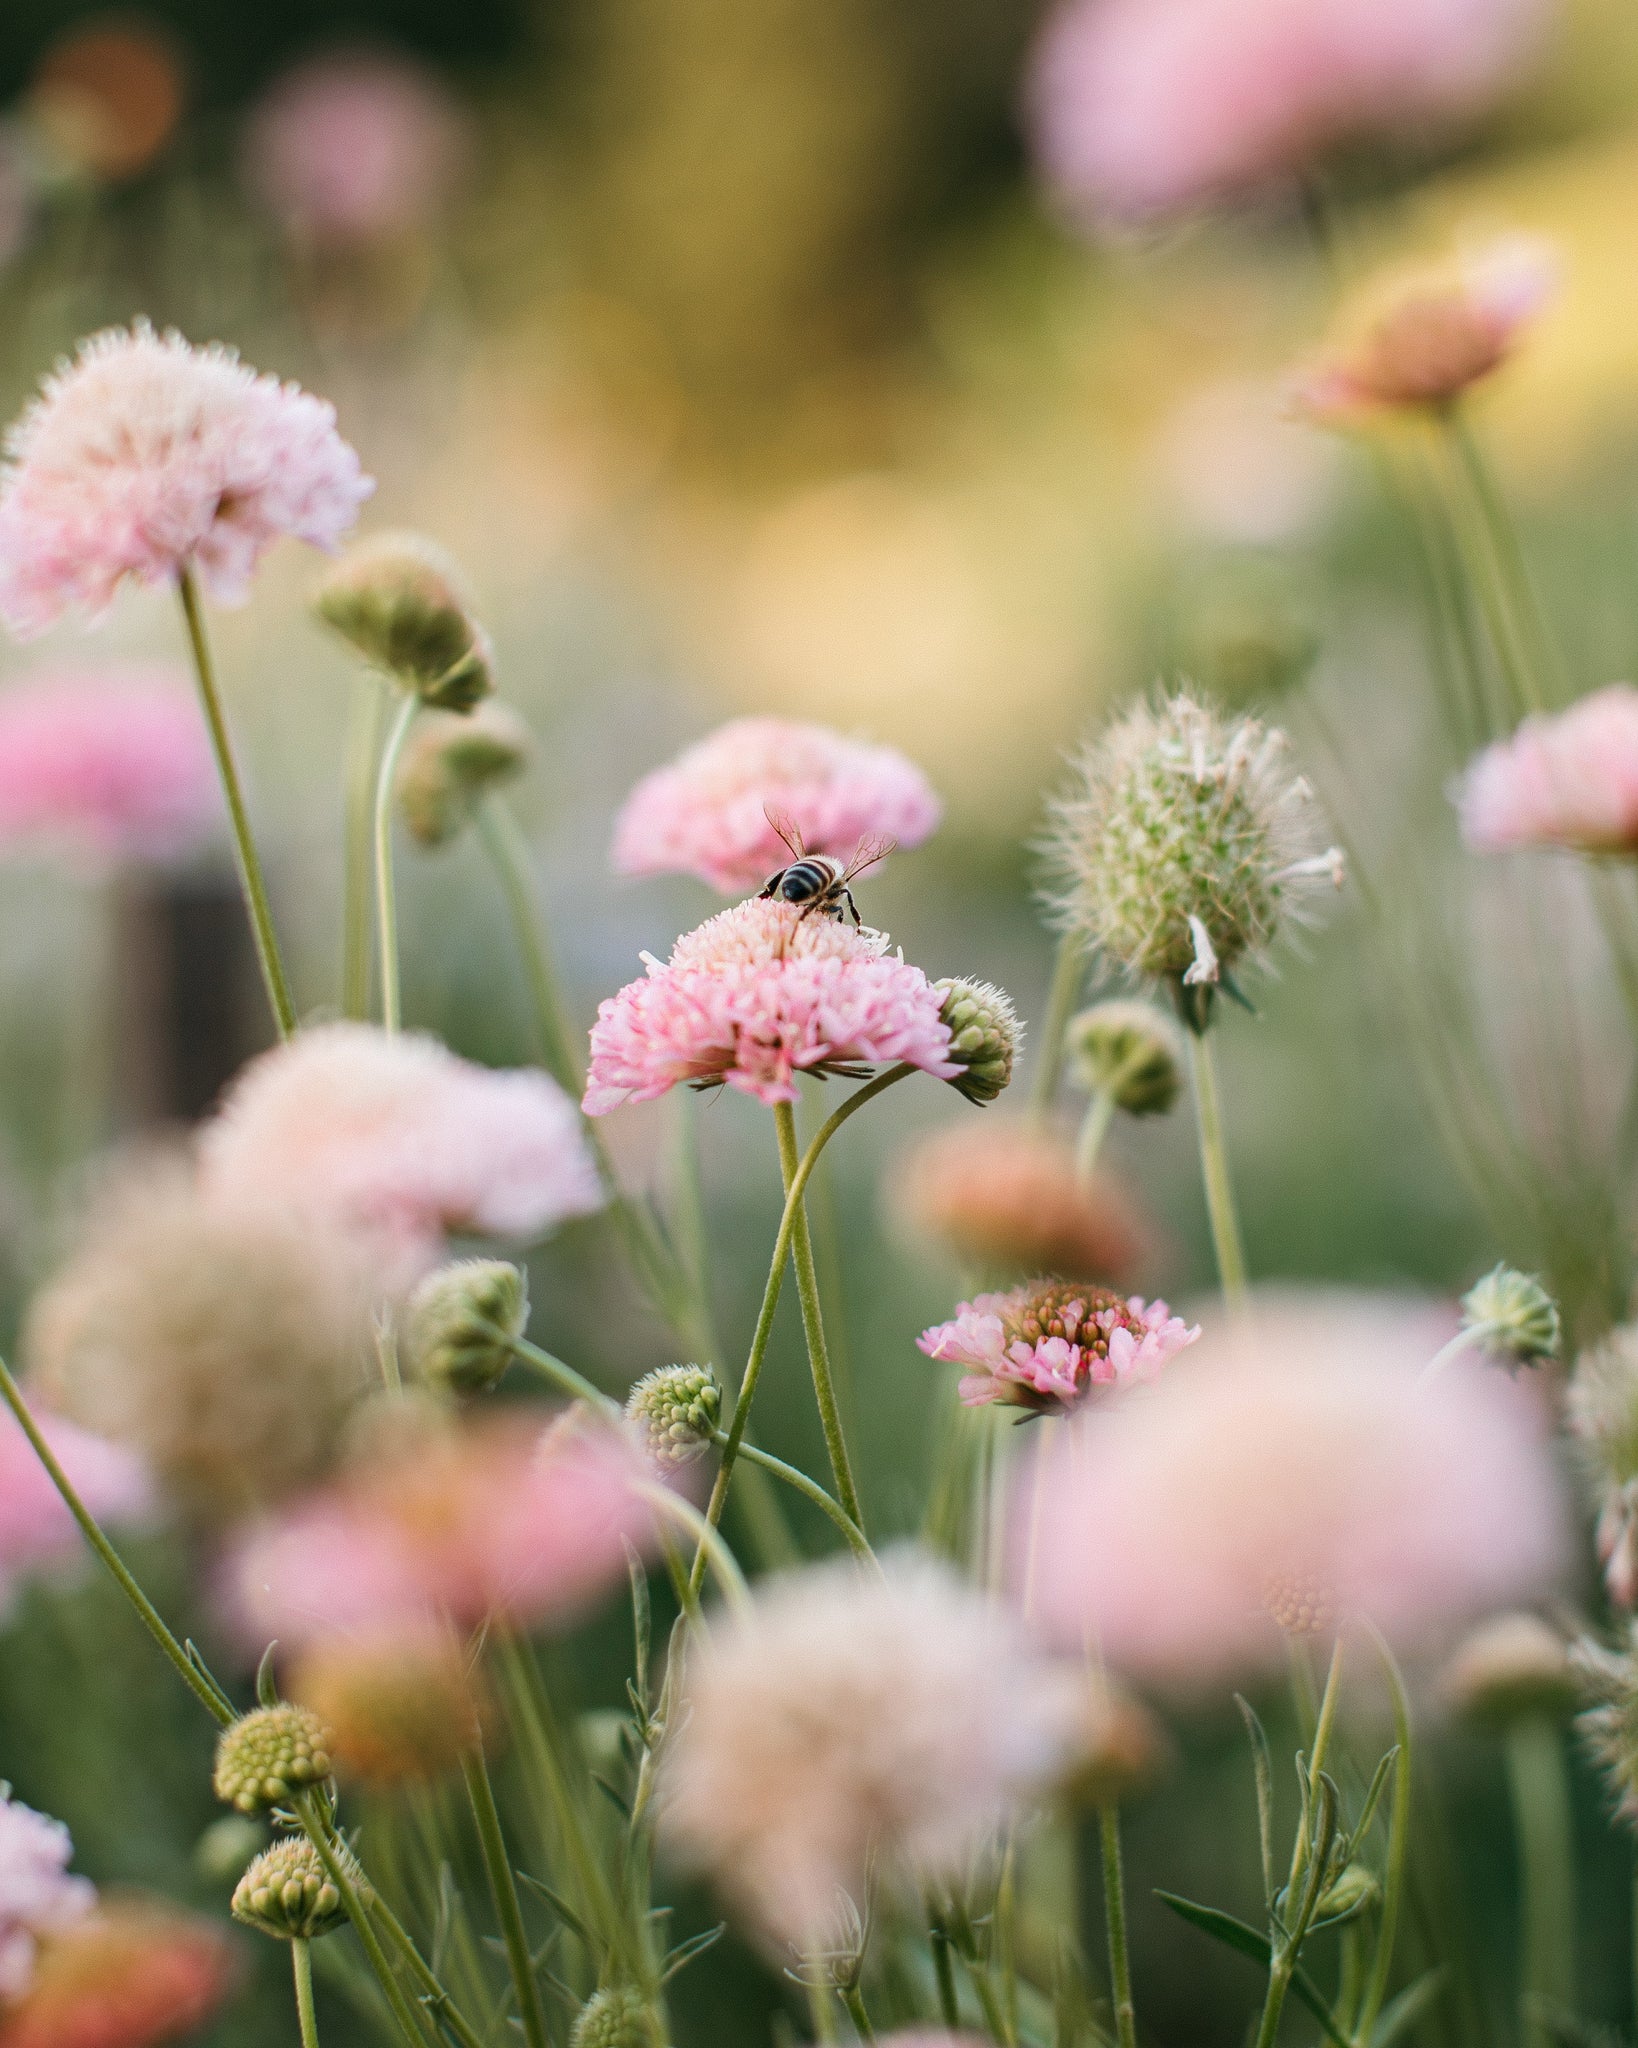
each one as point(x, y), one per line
point(869, 852)
point(785, 829)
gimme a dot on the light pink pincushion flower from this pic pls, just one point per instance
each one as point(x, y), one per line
point(852, 1715)
point(109, 763)
point(1050, 1343)
point(144, 456)
point(510, 1521)
point(1570, 780)
point(1300, 1472)
point(1144, 107)
point(397, 1137)
point(708, 812)
point(35, 1527)
point(756, 995)
point(37, 1895)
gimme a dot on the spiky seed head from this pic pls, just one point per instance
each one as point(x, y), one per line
point(985, 1035)
point(674, 1411)
point(460, 1322)
point(1515, 1315)
point(397, 600)
point(613, 2018)
point(1129, 1050)
point(451, 761)
point(1512, 1667)
point(1184, 844)
point(1608, 1679)
point(265, 1758)
point(288, 1894)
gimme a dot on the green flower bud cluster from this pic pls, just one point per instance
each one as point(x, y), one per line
point(451, 762)
point(1129, 1050)
point(458, 1321)
point(613, 2018)
point(1514, 1315)
point(397, 600)
point(674, 1410)
point(288, 1894)
point(265, 1758)
point(985, 1036)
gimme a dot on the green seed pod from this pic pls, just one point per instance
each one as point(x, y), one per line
point(397, 600)
point(985, 1036)
point(288, 1894)
point(458, 1321)
point(267, 1757)
point(674, 1410)
point(1129, 1050)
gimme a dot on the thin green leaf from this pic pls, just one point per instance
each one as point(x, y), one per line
point(1263, 1769)
point(1373, 1796)
point(687, 1951)
point(641, 1619)
point(564, 1911)
point(1248, 1942)
point(1408, 2007)
point(616, 1798)
point(267, 1685)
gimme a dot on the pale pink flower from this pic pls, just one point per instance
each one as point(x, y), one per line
point(37, 1895)
point(756, 995)
point(356, 145)
point(708, 812)
point(109, 763)
point(35, 1527)
point(1049, 1344)
point(398, 1138)
point(145, 456)
point(130, 1975)
point(852, 1714)
point(1145, 107)
point(1301, 1474)
point(511, 1521)
point(1569, 780)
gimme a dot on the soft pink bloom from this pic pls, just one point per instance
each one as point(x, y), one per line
point(510, 1521)
point(708, 812)
point(1569, 780)
point(397, 1137)
point(756, 995)
point(1050, 1343)
point(1300, 1472)
point(356, 145)
point(1143, 107)
point(110, 763)
point(37, 1896)
point(130, 1975)
point(35, 1527)
point(145, 455)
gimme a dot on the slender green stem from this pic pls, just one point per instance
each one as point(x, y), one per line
point(813, 1322)
point(301, 1962)
point(856, 2013)
point(995, 2019)
point(1398, 1865)
point(1317, 1753)
point(509, 856)
point(357, 887)
point(1100, 1112)
point(1225, 1226)
point(1067, 970)
point(819, 2005)
point(1464, 1340)
point(244, 845)
point(944, 1972)
point(810, 1488)
point(436, 1997)
point(503, 1891)
point(672, 1507)
point(562, 1376)
point(386, 894)
point(314, 1817)
point(1541, 1816)
point(1512, 569)
point(1114, 1908)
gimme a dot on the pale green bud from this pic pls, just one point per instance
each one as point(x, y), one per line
point(614, 2018)
point(674, 1411)
point(985, 1036)
point(227, 1845)
point(1129, 1050)
point(397, 600)
point(458, 1322)
point(287, 1892)
point(1515, 1313)
point(1349, 1892)
point(451, 762)
point(265, 1758)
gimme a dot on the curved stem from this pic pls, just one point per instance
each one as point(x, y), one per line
point(1114, 1907)
point(1541, 1816)
point(810, 1488)
point(572, 1383)
point(503, 1890)
point(315, 1821)
point(301, 1962)
point(710, 1544)
point(1067, 970)
point(1100, 1112)
point(244, 846)
point(857, 2014)
point(433, 1993)
point(1225, 1225)
point(1464, 1340)
point(1393, 1889)
point(386, 896)
point(369, 720)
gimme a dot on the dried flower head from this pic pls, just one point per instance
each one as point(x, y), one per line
point(1512, 1667)
point(709, 812)
point(615, 2017)
point(1568, 780)
point(1513, 1315)
point(985, 1036)
point(1049, 1344)
point(397, 1138)
point(849, 1716)
point(756, 995)
point(288, 1894)
point(144, 457)
point(458, 1323)
point(1601, 1406)
point(38, 1898)
point(1299, 1472)
point(1129, 1050)
point(452, 761)
point(127, 1976)
point(399, 1705)
point(266, 1757)
point(673, 1411)
point(1184, 844)
point(397, 599)
point(36, 1528)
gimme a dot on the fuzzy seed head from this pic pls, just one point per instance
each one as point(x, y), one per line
point(397, 600)
point(451, 761)
point(1608, 1678)
point(1129, 1050)
point(1602, 1406)
point(458, 1321)
point(267, 1757)
point(674, 1410)
point(985, 1036)
point(288, 1894)
point(614, 2018)
point(1517, 1315)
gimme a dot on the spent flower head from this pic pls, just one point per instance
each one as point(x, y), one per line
point(674, 1411)
point(1129, 1050)
point(452, 762)
point(288, 1893)
point(459, 1322)
point(1049, 1344)
point(266, 1757)
point(1513, 1316)
point(397, 599)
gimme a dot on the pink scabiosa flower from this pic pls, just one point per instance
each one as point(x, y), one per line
point(35, 1527)
point(708, 813)
point(38, 1898)
point(396, 1137)
point(756, 995)
point(107, 764)
point(129, 1975)
point(145, 456)
point(1051, 1343)
point(898, 1716)
point(1569, 780)
point(1301, 1475)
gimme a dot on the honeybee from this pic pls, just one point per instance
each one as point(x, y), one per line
point(818, 881)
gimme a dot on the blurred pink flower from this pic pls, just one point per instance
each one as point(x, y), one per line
point(1570, 780)
point(356, 145)
point(707, 812)
point(130, 1975)
point(145, 455)
point(1299, 1471)
point(109, 762)
point(400, 1139)
point(756, 995)
point(1144, 107)
point(37, 1895)
point(509, 1520)
point(1050, 1343)
point(35, 1527)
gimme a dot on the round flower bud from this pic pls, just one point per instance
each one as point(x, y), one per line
point(287, 1892)
point(458, 1322)
point(1350, 1892)
point(674, 1410)
point(1518, 1318)
point(1129, 1050)
point(451, 761)
point(1510, 1668)
point(614, 2018)
point(397, 600)
point(227, 1845)
point(985, 1035)
point(267, 1757)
